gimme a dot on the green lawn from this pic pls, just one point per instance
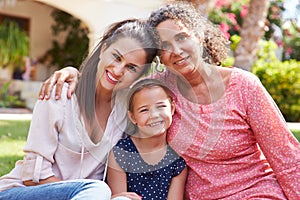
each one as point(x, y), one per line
point(296, 133)
point(13, 135)
point(12, 139)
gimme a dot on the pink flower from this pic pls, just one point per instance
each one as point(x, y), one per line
point(289, 50)
point(236, 27)
point(244, 11)
point(225, 28)
point(279, 43)
point(232, 18)
point(223, 3)
point(219, 4)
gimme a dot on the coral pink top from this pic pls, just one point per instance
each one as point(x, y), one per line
point(239, 147)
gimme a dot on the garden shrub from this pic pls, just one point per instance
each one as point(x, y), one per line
point(8, 100)
point(281, 79)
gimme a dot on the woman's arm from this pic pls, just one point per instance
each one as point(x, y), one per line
point(176, 190)
point(276, 141)
point(42, 141)
point(67, 74)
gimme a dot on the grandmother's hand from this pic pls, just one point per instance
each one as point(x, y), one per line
point(69, 75)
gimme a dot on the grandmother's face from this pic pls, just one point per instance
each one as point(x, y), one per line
point(180, 49)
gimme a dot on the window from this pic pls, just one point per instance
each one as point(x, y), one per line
point(21, 21)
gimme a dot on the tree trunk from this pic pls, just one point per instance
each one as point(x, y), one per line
point(251, 32)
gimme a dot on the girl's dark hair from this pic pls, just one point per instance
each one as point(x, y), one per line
point(130, 28)
point(214, 42)
point(147, 83)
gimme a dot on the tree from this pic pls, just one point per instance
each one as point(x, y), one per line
point(14, 47)
point(252, 26)
point(75, 47)
point(251, 32)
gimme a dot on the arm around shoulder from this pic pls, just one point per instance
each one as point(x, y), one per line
point(69, 75)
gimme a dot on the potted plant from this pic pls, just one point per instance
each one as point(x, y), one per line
point(14, 45)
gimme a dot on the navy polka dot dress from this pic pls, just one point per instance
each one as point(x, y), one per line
point(148, 181)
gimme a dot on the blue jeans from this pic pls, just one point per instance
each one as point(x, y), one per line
point(83, 189)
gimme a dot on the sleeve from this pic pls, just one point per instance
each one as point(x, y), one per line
point(42, 141)
point(179, 166)
point(278, 144)
point(120, 155)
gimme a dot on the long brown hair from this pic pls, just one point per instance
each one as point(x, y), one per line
point(130, 28)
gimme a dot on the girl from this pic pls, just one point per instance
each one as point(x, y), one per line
point(143, 162)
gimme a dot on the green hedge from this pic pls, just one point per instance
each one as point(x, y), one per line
point(281, 79)
point(8, 100)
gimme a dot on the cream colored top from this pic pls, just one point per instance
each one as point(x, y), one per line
point(58, 144)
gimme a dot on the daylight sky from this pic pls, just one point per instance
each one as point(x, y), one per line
point(292, 10)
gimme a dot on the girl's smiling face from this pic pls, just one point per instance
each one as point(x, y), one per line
point(152, 111)
point(180, 49)
point(120, 64)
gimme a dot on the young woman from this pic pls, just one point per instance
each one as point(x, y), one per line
point(69, 140)
point(227, 127)
point(143, 162)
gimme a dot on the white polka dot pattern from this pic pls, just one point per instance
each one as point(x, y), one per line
point(149, 181)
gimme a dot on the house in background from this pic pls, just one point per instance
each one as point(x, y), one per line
point(34, 17)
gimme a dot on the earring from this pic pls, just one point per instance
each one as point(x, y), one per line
point(158, 66)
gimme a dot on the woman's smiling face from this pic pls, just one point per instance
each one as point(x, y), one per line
point(120, 64)
point(180, 49)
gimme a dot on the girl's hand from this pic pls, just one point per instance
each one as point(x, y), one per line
point(69, 75)
point(130, 195)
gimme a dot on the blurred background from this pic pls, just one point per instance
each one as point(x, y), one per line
point(38, 37)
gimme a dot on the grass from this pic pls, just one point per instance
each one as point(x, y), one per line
point(296, 133)
point(13, 135)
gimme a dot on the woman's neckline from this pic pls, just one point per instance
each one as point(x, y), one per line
point(229, 82)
